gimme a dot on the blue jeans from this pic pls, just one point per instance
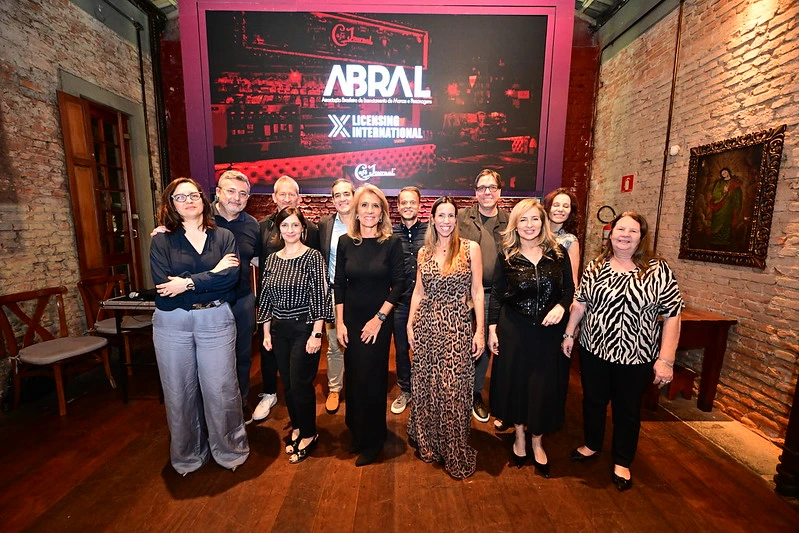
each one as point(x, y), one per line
point(401, 346)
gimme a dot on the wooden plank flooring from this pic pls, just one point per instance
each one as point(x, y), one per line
point(104, 467)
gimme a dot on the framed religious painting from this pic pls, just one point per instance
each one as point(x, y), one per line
point(730, 200)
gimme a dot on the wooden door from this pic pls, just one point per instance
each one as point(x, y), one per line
point(97, 147)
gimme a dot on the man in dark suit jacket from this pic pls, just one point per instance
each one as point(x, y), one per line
point(331, 227)
point(286, 194)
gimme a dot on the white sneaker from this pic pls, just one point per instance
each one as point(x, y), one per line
point(268, 401)
point(401, 403)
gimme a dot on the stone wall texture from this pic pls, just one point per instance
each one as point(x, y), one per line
point(738, 73)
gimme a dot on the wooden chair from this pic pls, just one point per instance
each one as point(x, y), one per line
point(102, 321)
point(40, 352)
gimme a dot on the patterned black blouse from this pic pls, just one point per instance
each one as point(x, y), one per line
point(291, 288)
point(620, 324)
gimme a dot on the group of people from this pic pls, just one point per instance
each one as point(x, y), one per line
point(453, 291)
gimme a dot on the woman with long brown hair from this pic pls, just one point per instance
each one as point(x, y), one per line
point(195, 271)
point(369, 280)
point(450, 272)
point(621, 295)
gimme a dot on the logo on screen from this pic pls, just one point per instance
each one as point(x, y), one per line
point(372, 127)
point(343, 35)
point(364, 172)
point(357, 80)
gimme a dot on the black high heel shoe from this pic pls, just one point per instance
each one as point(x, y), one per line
point(621, 483)
point(519, 460)
point(291, 447)
point(301, 454)
point(542, 468)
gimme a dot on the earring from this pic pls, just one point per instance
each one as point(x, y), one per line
point(356, 217)
point(380, 221)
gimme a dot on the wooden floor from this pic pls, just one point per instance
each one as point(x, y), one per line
point(104, 467)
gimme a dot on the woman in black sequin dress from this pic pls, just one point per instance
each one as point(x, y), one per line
point(528, 311)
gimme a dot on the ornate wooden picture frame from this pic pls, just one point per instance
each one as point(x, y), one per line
point(729, 205)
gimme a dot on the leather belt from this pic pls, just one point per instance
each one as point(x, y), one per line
point(207, 305)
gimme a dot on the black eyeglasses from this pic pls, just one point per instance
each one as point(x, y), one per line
point(486, 188)
point(180, 198)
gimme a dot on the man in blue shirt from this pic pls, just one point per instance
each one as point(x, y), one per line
point(412, 232)
point(232, 193)
point(331, 227)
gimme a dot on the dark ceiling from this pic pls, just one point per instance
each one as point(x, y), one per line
point(595, 12)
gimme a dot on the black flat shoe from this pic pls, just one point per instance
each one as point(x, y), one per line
point(367, 457)
point(621, 483)
point(542, 468)
point(302, 453)
point(577, 457)
point(519, 460)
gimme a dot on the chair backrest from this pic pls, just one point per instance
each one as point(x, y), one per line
point(98, 289)
point(30, 316)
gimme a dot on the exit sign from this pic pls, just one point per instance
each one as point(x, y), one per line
point(627, 183)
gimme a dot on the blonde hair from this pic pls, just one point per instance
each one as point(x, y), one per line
point(431, 238)
point(511, 244)
point(384, 230)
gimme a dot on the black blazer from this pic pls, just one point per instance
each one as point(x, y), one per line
point(325, 233)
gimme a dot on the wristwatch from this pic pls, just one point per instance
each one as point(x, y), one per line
point(318, 335)
point(381, 316)
point(189, 285)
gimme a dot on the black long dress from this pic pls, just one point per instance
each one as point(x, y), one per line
point(526, 380)
point(367, 275)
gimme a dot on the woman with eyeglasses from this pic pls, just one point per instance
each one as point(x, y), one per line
point(294, 304)
point(195, 270)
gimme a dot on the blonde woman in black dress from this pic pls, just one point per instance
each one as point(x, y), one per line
point(370, 278)
point(530, 296)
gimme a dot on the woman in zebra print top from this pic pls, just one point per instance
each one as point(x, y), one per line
point(621, 294)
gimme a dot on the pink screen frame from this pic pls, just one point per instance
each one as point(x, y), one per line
point(560, 25)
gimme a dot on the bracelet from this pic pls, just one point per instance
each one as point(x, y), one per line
point(669, 364)
point(568, 336)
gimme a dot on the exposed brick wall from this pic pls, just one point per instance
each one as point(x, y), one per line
point(39, 37)
point(578, 146)
point(315, 207)
point(738, 73)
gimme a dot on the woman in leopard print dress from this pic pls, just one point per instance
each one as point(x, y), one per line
point(440, 333)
